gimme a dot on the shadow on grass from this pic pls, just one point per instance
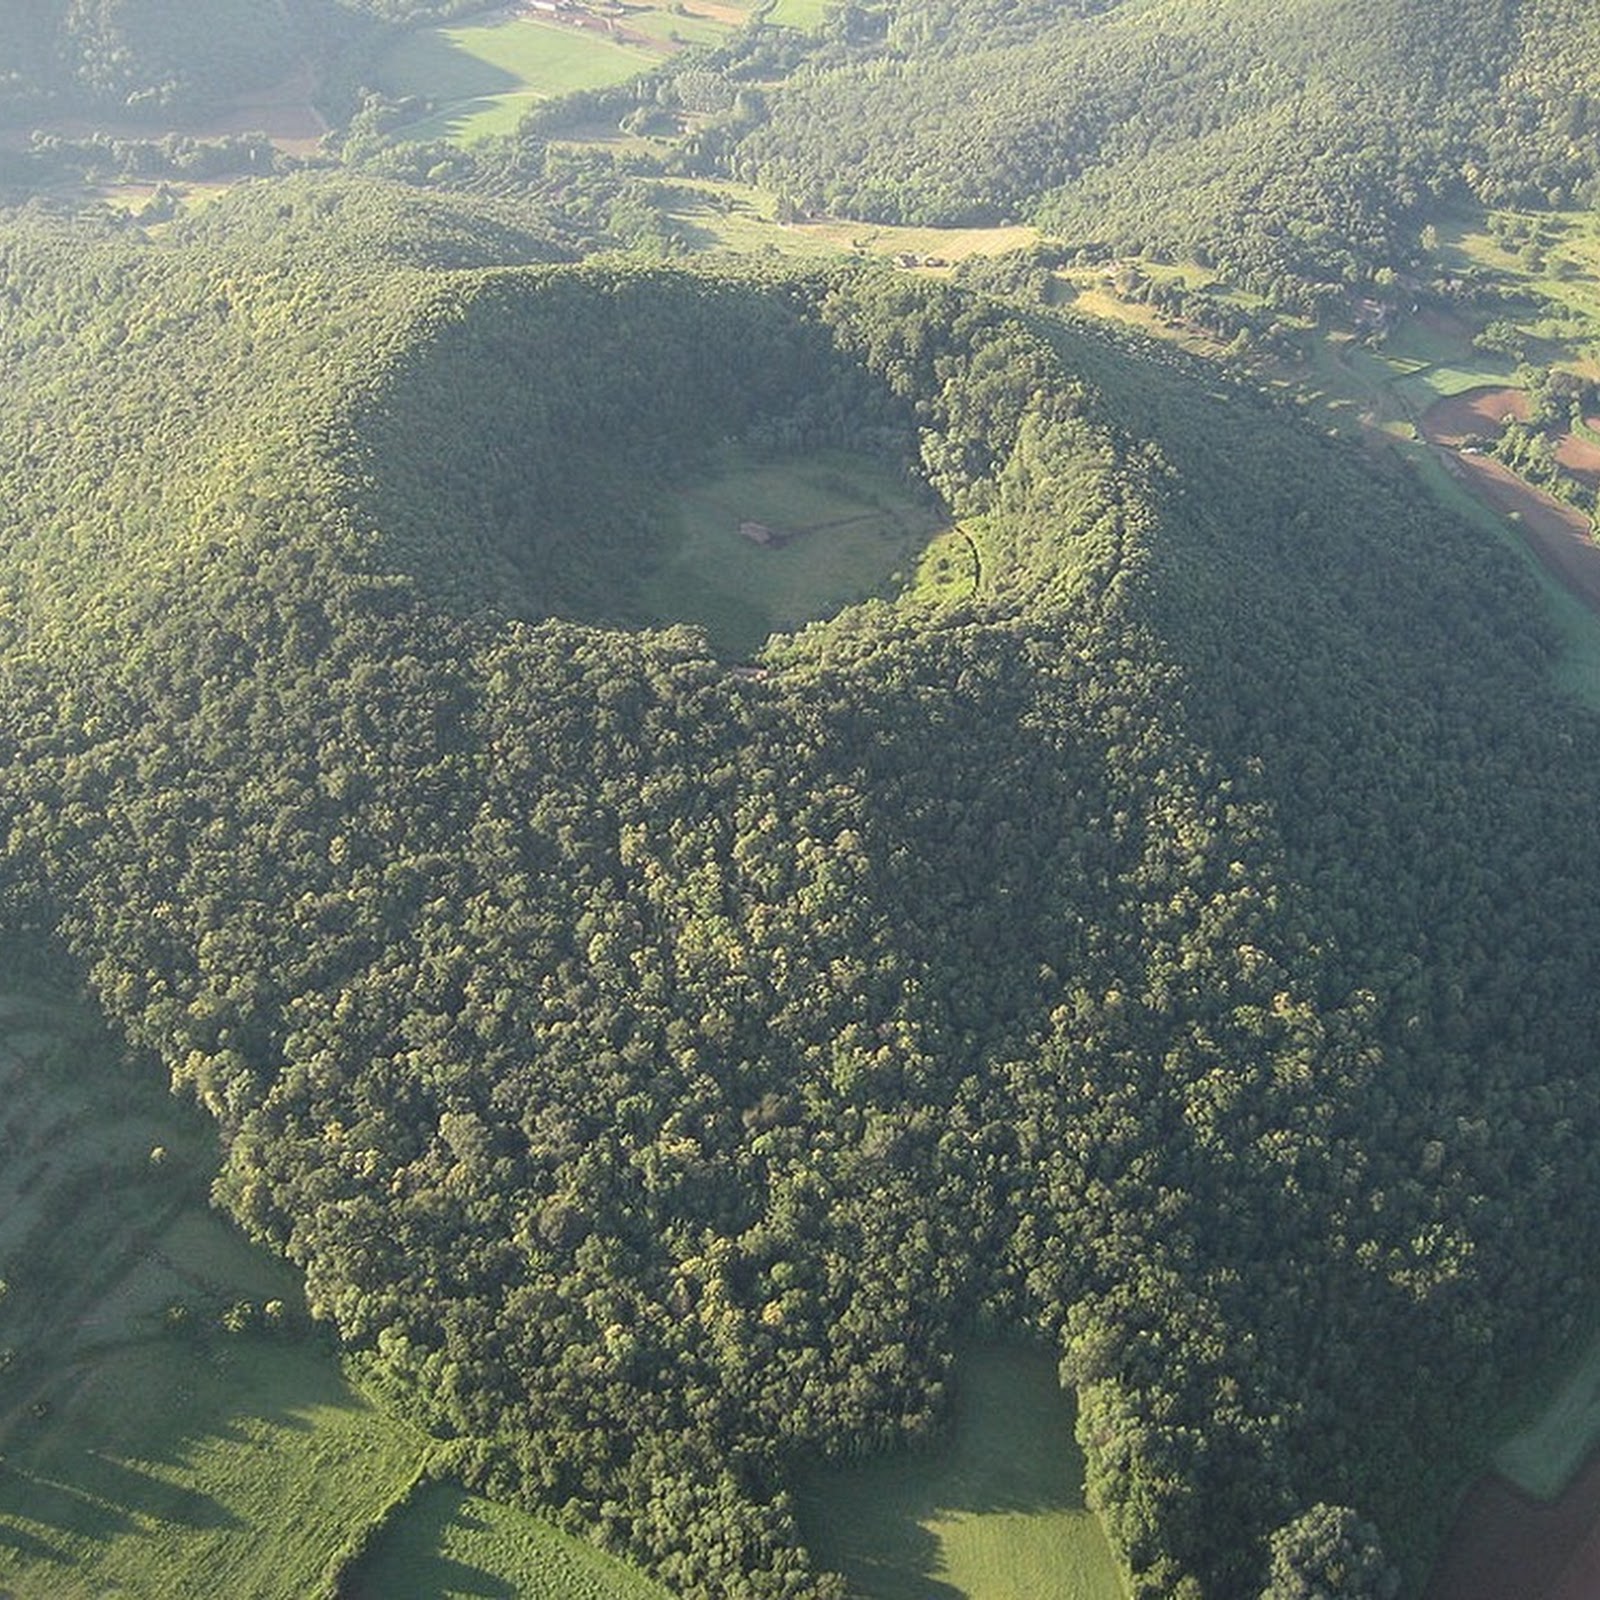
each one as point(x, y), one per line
point(28, 1545)
point(431, 64)
point(103, 1500)
point(1011, 1452)
point(406, 1561)
point(893, 1558)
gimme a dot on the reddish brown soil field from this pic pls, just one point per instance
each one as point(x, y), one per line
point(1580, 457)
point(1556, 533)
point(1446, 323)
point(1477, 411)
point(1508, 1546)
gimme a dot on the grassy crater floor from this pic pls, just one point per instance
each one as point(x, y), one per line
point(997, 1514)
point(821, 532)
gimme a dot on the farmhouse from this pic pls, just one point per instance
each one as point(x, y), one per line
point(760, 533)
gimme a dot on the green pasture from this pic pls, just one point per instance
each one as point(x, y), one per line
point(449, 1545)
point(806, 16)
point(852, 529)
point(483, 77)
point(180, 1467)
point(669, 28)
point(1543, 1456)
point(997, 1514)
point(1553, 258)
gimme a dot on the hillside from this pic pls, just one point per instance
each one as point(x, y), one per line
point(157, 58)
point(1290, 144)
point(658, 1063)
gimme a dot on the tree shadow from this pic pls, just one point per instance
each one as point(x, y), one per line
point(436, 66)
point(414, 1544)
point(101, 1500)
point(891, 1558)
point(1011, 1451)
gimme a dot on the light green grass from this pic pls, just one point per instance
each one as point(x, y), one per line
point(1542, 1457)
point(720, 214)
point(669, 28)
point(184, 1470)
point(996, 1515)
point(449, 1545)
point(484, 77)
point(803, 15)
point(1441, 382)
point(855, 531)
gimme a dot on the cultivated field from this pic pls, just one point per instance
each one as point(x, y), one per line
point(844, 528)
point(719, 214)
point(996, 1515)
point(805, 15)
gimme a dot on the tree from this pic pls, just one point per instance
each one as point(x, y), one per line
point(1329, 1553)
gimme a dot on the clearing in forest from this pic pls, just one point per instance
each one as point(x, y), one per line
point(834, 528)
point(482, 77)
point(997, 1514)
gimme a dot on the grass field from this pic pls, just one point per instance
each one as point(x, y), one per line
point(804, 15)
point(1543, 1456)
point(484, 76)
point(850, 529)
point(1555, 256)
point(184, 1469)
point(996, 1515)
point(449, 1545)
point(719, 214)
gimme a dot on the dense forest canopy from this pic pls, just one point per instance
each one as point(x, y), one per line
point(1300, 141)
point(156, 58)
point(658, 1068)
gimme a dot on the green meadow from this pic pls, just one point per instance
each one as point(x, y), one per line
point(846, 529)
point(1542, 1456)
point(482, 77)
point(996, 1514)
point(450, 1545)
point(804, 15)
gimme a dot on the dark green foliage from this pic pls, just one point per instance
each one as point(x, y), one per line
point(1291, 144)
point(1329, 1553)
point(657, 1068)
point(160, 58)
point(142, 57)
